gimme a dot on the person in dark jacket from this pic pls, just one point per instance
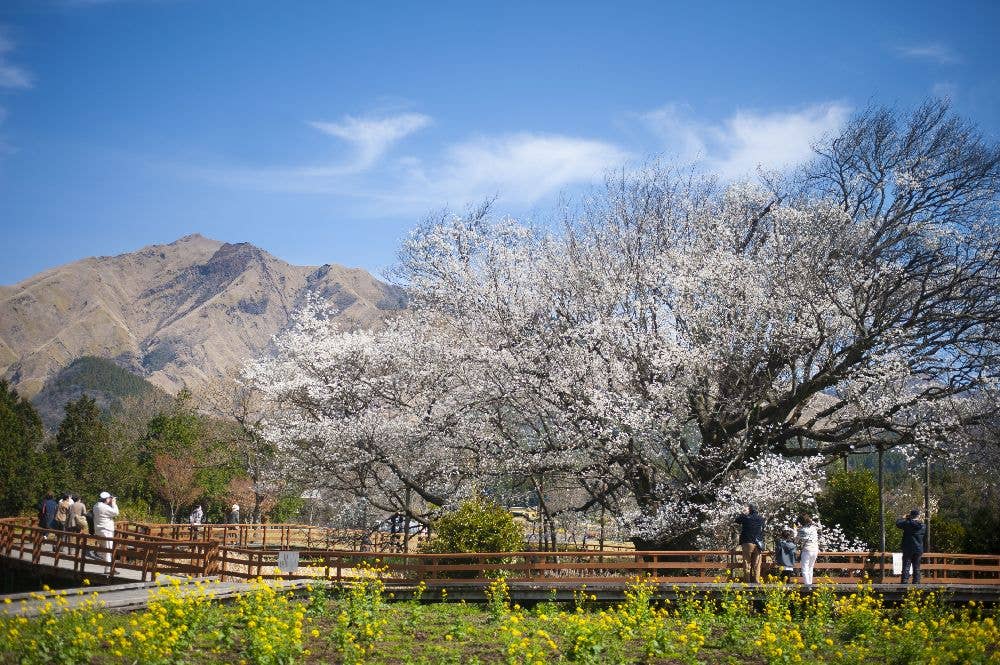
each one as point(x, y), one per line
point(47, 511)
point(784, 555)
point(751, 541)
point(913, 544)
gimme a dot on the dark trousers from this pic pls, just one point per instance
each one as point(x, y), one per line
point(911, 560)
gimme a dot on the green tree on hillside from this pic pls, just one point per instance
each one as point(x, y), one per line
point(84, 441)
point(21, 470)
point(181, 432)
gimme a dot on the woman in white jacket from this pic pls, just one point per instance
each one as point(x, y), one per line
point(808, 537)
point(105, 512)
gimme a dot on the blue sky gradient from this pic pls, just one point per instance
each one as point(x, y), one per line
point(323, 131)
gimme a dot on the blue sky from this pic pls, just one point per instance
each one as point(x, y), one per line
point(323, 131)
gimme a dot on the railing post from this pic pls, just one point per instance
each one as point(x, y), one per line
point(151, 567)
point(211, 552)
point(6, 531)
point(36, 546)
point(114, 556)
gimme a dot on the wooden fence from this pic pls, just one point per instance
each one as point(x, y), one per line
point(281, 536)
point(146, 556)
point(222, 550)
point(594, 567)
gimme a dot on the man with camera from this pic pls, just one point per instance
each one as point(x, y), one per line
point(105, 512)
point(752, 541)
point(913, 544)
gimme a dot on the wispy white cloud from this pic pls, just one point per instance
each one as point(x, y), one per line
point(935, 52)
point(370, 137)
point(747, 140)
point(523, 168)
point(945, 90)
point(11, 75)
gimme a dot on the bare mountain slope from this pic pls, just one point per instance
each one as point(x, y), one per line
point(178, 314)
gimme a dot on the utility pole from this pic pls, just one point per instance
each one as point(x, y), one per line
point(881, 509)
point(927, 502)
point(406, 523)
point(601, 545)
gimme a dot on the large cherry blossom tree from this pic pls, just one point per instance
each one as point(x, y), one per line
point(675, 346)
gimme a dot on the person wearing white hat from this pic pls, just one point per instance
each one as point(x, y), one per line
point(105, 512)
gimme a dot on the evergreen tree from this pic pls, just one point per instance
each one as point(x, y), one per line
point(21, 467)
point(851, 500)
point(83, 441)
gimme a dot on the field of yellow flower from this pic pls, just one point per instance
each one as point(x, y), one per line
point(364, 624)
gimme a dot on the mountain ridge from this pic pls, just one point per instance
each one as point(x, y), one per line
point(178, 314)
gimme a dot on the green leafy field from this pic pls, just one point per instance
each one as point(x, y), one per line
point(365, 625)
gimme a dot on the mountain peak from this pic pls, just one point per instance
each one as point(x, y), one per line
point(180, 314)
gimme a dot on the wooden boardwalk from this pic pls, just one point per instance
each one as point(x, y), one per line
point(609, 593)
point(127, 597)
point(147, 553)
point(136, 595)
point(127, 557)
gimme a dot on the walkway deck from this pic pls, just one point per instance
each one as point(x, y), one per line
point(137, 555)
point(127, 597)
point(56, 564)
point(136, 596)
point(608, 593)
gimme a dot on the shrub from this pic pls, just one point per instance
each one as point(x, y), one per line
point(478, 525)
point(947, 534)
point(850, 500)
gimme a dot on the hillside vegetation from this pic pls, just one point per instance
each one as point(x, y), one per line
point(98, 378)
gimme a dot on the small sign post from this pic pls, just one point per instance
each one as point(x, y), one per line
point(288, 561)
point(897, 563)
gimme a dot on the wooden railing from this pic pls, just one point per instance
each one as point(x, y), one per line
point(593, 567)
point(216, 550)
point(148, 556)
point(282, 536)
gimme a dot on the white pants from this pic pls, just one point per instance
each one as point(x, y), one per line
point(106, 533)
point(808, 560)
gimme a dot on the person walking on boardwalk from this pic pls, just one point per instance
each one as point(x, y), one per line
point(61, 520)
point(234, 514)
point(784, 555)
point(105, 512)
point(78, 517)
point(77, 520)
point(913, 544)
point(808, 537)
point(752, 541)
point(62, 512)
point(47, 511)
point(197, 515)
